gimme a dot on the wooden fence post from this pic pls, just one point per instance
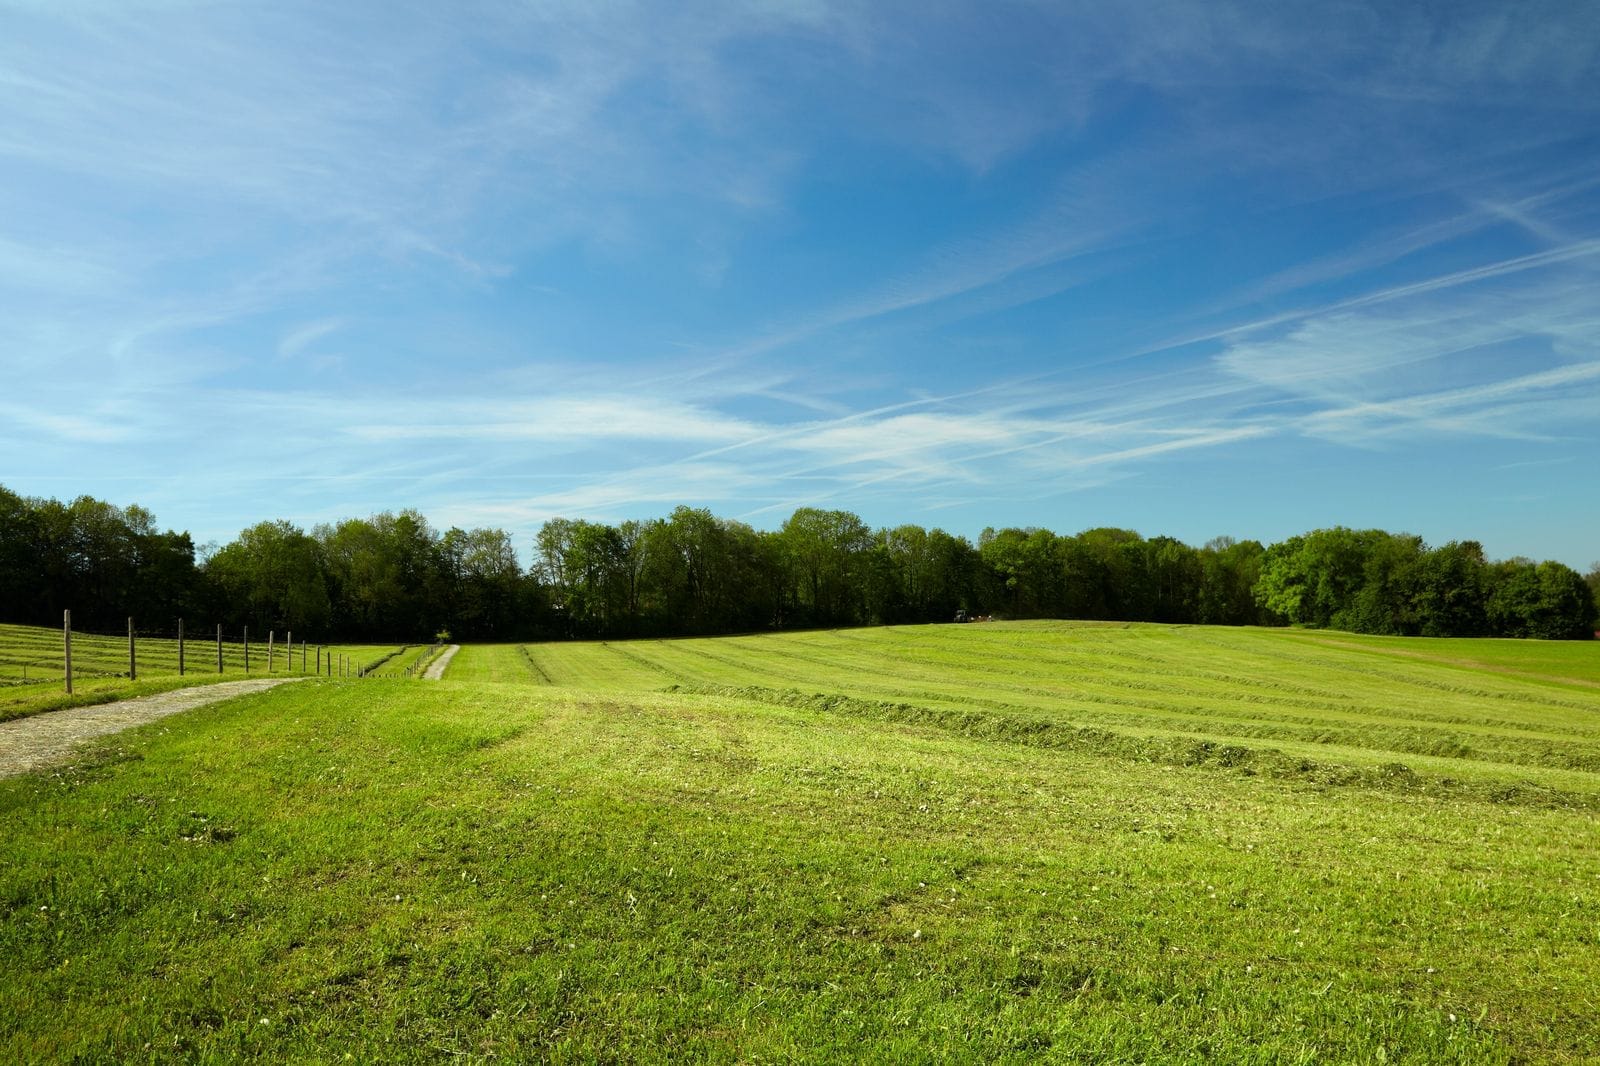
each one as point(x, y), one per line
point(133, 666)
point(288, 651)
point(180, 647)
point(66, 637)
point(219, 647)
point(270, 634)
point(247, 649)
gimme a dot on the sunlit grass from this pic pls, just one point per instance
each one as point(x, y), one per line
point(499, 866)
point(32, 665)
point(1284, 695)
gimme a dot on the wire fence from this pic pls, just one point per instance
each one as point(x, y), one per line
point(32, 655)
point(409, 661)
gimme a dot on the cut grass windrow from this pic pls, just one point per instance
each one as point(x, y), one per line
point(985, 844)
point(1193, 751)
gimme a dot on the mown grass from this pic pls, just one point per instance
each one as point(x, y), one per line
point(32, 661)
point(410, 661)
point(1525, 715)
point(1561, 662)
point(501, 664)
point(502, 867)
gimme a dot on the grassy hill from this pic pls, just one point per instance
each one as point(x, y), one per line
point(1459, 715)
point(982, 843)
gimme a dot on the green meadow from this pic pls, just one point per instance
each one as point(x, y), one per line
point(33, 661)
point(985, 843)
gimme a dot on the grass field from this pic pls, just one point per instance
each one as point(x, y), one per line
point(411, 661)
point(32, 664)
point(981, 843)
point(1458, 714)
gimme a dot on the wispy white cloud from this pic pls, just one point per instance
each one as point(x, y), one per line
point(967, 453)
point(1517, 358)
point(563, 420)
point(1529, 406)
point(1559, 461)
point(53, 270)
point(1385, 248)
point(297, 340)
point(664, 218)
point(1001, 268)
point(76, 429)
point(1579, 252)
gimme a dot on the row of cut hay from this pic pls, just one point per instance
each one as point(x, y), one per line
point(1241, 687)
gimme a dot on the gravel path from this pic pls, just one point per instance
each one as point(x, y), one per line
point(435, 670)
point(42, 738)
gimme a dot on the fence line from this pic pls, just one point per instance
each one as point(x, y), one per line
point(31, 655)
point(415, 657)
point(423, 661)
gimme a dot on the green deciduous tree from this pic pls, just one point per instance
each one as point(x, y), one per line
point(391, 577)
point(824, 553)
point(1452, 591)
point(1548, 601)
point(273, 577)
point(485, 583)
point(1229, 572)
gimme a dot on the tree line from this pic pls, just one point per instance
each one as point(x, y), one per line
point(392, 576)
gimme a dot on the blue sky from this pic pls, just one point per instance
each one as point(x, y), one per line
point(1195, 269)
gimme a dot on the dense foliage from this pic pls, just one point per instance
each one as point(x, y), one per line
point(393, 576)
